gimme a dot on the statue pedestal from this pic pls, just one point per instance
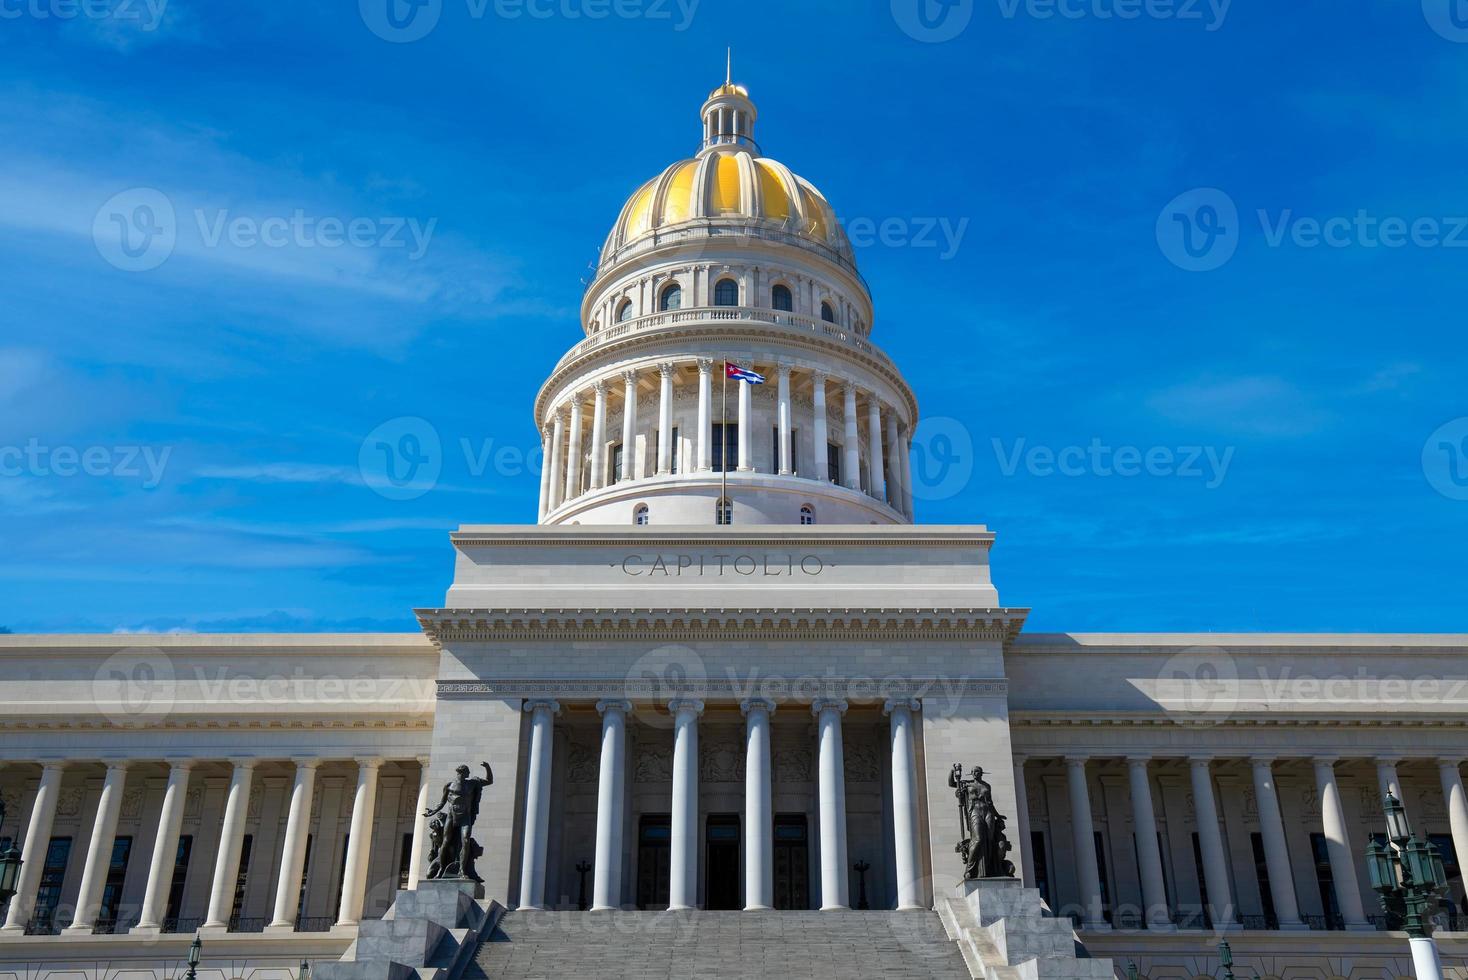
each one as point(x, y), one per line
point(437, 924)
point(999, 923)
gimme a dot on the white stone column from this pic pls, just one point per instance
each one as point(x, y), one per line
point(1026, 851)
point(705, 415)
point(894, 462)
point(611, 778)
point(629, 425)
point(905, 820)
point(665, 419)
point(785, 463)
point(1210, 842)
point(537, 802)
point(1083, 831)
point(231, 840)
point(1387, 780)
point(573, 450)
point(834, 877)
point(759, 813)
point(851, 450)
point(558, 461)
point(904, 448)
point(683, 860)
point(99, 852)
point(547, 448)
point(599, 436)
point(822, 467)
point(293, 848)
point(420, 824)
point(876, 478)
point(1457, 803)
point(37, 842)
point(1338, 846)
point(359, 845)
point(1276, 851)
point(165, 850)
point(1149, 854)
point(746, 421)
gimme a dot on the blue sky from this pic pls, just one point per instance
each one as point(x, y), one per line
point(180, 446)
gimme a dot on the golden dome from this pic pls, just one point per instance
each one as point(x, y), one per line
point(734, 186)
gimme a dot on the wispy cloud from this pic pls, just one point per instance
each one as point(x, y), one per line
point(1259, 405)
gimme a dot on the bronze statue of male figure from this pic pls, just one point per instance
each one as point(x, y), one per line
point(460, 808)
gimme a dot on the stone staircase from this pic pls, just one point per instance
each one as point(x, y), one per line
point(1004, 934)
point(718, 946)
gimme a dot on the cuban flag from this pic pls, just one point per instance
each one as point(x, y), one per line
point(736, 373)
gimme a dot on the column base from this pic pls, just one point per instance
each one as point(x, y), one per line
point(85, 930)
point(682, 908)
point(284, 929)
point(1360, 927)
point(12, 930)
point(835, 908)
point(1293, 927)
point(213, 929)
point(913, 908)
point(759, 908)
point(1102, 926)
point(1161, 927)
point(142, 930)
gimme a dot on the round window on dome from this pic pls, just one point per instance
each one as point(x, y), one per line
point(671, 299)
point(624, 312)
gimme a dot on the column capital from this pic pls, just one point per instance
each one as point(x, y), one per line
point(783, 368)
point(244, 763)
point(678, 706)
point(306, 762)
point(1138, 761)
point(667, 369)
point(622, 707)
point(900, 704)
point(756, 704)
point(371, 762)
point(818, 378)
point(705, 365)
point(425, 762)
point(53, 765)
point(118, 765)
point(549, 704)
point(181, 765)
point(599, 386)
point(1445, 764)
point(1077, 761)
point(821, 705)
point(1325, 762)
point(1263, 761)
point(1200, 759)
point(629, 376)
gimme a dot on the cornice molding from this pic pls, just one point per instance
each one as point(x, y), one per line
point(659, 691)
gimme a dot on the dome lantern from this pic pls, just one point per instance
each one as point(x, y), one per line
point(728, 116)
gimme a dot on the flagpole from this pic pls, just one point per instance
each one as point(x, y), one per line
point(724, 453)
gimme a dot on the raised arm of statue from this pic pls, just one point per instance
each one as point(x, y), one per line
point(955, 776)
point(488, 774)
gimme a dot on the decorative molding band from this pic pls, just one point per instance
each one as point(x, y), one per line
point(655, 690)
point(805, 537)
point(469, 625)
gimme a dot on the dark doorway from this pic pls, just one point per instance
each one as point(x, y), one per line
point(722, 862)
point(792, 862)
point(654, 849)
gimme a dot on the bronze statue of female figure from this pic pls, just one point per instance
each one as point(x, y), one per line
point(984, 845)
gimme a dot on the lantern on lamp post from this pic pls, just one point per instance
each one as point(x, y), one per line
point(1407, 874)
point(10, 862)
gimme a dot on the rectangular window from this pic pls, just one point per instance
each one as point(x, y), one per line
point(241, 877)
point(833, 463)
point(1326, 879)
point(405, 862)
point(180, 877)
point(53, 874)
point(1101, 873)
point(726, 446)
point(1205, 911)
point(616, 473)
point(677, 448)
point(305, 877)
point(1042, 865)
point(341, 874)
point(1261, 871)
point(122, 848)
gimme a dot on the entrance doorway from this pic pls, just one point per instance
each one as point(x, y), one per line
point(654, 854)
point(792, 862)
point(721, 862)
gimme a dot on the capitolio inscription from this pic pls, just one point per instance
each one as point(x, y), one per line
point(765, 565)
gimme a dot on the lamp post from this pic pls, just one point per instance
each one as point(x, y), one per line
point(1408, 875)
point(1226, 960)
point(195, 948)
point(10, 862)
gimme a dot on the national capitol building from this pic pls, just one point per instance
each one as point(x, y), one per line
point(722, 685)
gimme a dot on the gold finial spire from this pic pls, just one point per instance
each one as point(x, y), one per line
point(729, 67)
